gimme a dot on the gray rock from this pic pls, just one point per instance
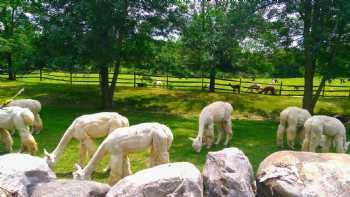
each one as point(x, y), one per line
point(289, 173)
point(69, 188)
point(181, 179)
point(228, 173)
point(18, 171)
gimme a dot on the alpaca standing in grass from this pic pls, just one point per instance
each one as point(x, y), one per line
point(333, 130)
point(127, 140)
point(219, 113)
point(294, 118)
point(35, 107)
point(19, 119)
point(86, 128)
point(255, 87)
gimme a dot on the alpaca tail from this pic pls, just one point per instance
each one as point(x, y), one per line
point(28, 117)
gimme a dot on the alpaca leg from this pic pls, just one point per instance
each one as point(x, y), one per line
point(221, 132)
point(83, 153)
point(91, 146)
point(339, 143)
point(210, 135)
point(325, 143)
point(280, 134)
point(229, 132)
point(291, 134)
point(116, 169)
point(126, 166)
point(6, 139)
point(315, 138)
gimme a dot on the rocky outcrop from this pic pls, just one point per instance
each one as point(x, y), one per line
point(228, 173)
point(173, 180)
point(69, 188)
point(289, 173)
point(19, 171)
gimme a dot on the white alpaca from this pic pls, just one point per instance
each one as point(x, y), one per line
point(127, 140)
point(333, 130)
point(215, 113)
point(158, 83)
point(294, 118)
point(19, 119)
point(35, 107)
point(85, 128)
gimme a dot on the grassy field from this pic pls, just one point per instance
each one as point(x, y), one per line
point(253, 118)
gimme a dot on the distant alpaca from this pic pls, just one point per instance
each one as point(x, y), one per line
point(19, 119)
point(35, 107)
point(254, 86)
point(235, 88)
point(84, 129)
point(127, 140)
point(268, 89)
point(294, 118)
point(333, 130)
point(219, 113)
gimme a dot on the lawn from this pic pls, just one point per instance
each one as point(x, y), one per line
point(254, 118)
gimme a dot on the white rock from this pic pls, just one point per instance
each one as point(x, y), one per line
point(171, 180)
point(289, 173)
point(69, 188)
point(228, 173)
point(18, 171)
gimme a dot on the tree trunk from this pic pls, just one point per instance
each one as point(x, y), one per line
point(105, 93)
point(212, 78)
point(11, 72)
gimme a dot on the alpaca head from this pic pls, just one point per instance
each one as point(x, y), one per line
point(196, 144)
point(49, 158)
point(79, 174)
point(30, 144)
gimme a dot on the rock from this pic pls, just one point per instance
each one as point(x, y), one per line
point(18, 171)
point(170, 180)
point(68, 188)
point(289, 173)
point(228, 173)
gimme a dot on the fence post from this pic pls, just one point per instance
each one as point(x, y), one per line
point(71, 77)
point(134, 79)
point(281, 88)
point(349, 93)
point(240, 85)
point(202, 81)
point(167, 81)
point(41, 74)
point(324, 87)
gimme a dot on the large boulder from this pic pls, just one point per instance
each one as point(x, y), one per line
point(19, 171)
point(228, 173)
point(172, 180)
point(68, 188)
point(289, 173)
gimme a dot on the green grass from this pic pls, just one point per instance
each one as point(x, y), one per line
point(253, 119)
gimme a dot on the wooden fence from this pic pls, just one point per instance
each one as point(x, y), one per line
point(138, 80)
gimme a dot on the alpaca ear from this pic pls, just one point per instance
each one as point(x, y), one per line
point(46, 153)
point(77, 166)
point(191, 138)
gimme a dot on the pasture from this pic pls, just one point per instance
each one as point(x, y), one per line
point(254, 118)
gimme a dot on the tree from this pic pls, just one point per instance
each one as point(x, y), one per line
point(108, 33)
point(16, 34)
point(212, 38)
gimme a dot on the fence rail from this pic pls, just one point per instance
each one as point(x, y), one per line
point(191, 83)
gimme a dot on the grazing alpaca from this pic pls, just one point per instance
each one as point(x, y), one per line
point(235, 88)
point(35, 107)
point(220, 113)
point(333, 130)
point(127, 140)
point(84, 129)
point(255, 87)
point(294, 118)
point(267, 89)
point(19, 119)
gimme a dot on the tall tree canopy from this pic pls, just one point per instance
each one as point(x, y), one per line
point(107, 33)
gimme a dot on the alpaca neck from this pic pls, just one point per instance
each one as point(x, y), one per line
point(63, 142)
point(96, 158)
